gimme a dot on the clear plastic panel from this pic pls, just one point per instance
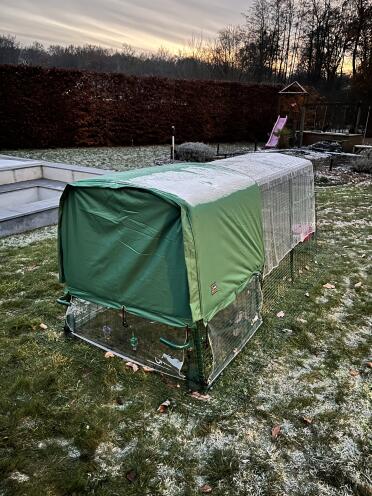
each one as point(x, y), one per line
point(276, 221)
point(139, 342)
point(288, 214)
point(231, 328)
point(303, 206)
point(288, 207)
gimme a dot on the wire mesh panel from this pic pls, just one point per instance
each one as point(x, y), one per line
point(302, 206)
point(129, 336)
point(233, 326)
point(287, 215)
point(276, 220)
point(294, 265)
point(287, 192)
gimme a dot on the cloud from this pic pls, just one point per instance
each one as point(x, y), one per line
point(146, 24)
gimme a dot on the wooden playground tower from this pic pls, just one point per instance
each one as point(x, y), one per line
point(312, 121)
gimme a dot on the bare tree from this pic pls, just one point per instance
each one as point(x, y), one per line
point(9, 50)
point(322, 42)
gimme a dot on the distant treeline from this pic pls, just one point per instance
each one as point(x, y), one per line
point(326, 43)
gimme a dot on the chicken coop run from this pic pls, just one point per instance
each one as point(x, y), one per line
point(163, 263)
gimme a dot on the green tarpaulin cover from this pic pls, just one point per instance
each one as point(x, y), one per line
point(174, 244)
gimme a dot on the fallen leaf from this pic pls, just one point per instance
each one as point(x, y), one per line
point(275, 431)
point(307, 420)
point(164, 406)
point(280, 314)
point(148, 369)
point(206, 489)
point(43, 326)
point(328, 285)
point(353, 372)
point(132, 366)
point(202, 397)
point(109, 354)
point(307, 267)
point(357, 285)
point(131, 475)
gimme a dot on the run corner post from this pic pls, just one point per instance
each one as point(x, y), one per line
point(196, 375)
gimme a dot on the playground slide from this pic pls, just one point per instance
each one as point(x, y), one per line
point(278, 126)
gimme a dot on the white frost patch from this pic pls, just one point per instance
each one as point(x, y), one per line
point(354, 339)
point(297, 458)
point(195, 185)
point(171, 420)
point(28, 423)
point(200, 448)
point(169, 478)
point(117, 387)
point(321, 300)
point(110, 458)
point(24, 239)
point(288, 429)
point(346, 449)
point(340, 224)
point(19, 477)
point(72, 452)
point(115, 406)
point(346, 303)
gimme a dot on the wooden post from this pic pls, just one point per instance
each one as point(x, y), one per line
point(357, 120)
point(324, 117)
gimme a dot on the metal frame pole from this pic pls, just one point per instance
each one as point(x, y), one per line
point(195, 369)
point(291, 262)
point(173, 141)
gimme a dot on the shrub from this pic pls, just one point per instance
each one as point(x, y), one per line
point(194, 152)
point(363, 163)
point(284, 137)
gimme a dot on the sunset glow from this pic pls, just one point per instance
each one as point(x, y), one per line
point(144, 24)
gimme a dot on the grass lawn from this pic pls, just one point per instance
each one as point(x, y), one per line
point(73, 422)
point(117, 158)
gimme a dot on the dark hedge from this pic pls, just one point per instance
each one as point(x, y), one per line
point(61, 108)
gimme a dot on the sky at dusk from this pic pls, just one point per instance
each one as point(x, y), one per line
point(144, 24)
